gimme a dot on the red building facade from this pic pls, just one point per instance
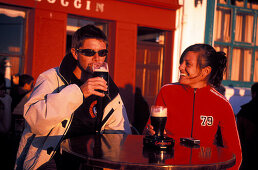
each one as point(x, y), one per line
point(46, 34)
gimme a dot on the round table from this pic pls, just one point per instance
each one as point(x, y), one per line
point(119, 151)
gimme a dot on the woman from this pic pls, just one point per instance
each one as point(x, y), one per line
point(195, 108)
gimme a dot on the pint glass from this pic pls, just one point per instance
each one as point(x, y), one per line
point(101, 70)
point(158, 119)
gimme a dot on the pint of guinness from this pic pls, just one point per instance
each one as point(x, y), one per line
point(100, 70)
point(158, 119)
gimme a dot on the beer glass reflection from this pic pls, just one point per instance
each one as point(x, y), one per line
point(101, 70)
point(158, 119)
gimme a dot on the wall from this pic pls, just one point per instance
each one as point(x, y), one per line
point(46, 37)
point(190, 29)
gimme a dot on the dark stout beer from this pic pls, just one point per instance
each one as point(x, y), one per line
point(158, 119)
point(101, 70)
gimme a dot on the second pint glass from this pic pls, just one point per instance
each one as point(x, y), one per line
point(158, 119)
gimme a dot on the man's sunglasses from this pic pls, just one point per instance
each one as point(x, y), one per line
point(90, 52)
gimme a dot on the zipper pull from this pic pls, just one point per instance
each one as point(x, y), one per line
point(108, 96)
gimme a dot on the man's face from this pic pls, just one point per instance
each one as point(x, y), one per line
point(92, 44)
point(190, 73)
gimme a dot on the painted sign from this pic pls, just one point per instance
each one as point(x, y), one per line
point(78, 4)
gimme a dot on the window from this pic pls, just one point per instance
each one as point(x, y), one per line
point(235, 32)
point(12, 33)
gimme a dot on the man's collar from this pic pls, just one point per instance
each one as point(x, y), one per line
point(67, 67)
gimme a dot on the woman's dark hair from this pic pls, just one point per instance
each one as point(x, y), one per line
point(88, 31)
point(209, 57)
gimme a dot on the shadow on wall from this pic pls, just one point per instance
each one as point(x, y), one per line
point(136, 106)
point(128, 98)
point(237, 97)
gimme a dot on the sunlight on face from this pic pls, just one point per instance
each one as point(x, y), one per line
point(190, 72)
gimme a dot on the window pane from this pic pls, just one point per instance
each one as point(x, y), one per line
point(225, 50)
point(222, 1)
point(222, 25)
point(244, 27)
point(239, 3)
point(11, 31)
point(254, 4)
point(256, 67)
point(241, 64)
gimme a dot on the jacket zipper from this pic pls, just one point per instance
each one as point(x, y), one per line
point(193, 113)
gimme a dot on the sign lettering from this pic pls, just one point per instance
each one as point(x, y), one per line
point(78, 4)
point(64, 3)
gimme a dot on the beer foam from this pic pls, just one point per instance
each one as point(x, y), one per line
point(99, 67)
point(100, 70)
point(158, 111)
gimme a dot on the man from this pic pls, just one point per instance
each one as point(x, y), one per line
point(64, 102)
point(24, 87)
point(247, 123)
point(20, 95)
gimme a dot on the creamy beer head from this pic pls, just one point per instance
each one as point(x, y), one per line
point(158, 111)
point(100, 67)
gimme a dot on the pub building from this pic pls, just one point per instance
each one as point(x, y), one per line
point(36, 35)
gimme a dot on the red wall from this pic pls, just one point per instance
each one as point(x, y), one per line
point(46, 34)
point(49, 40)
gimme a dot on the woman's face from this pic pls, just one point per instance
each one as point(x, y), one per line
point(190, 72)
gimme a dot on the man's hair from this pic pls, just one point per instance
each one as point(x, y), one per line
point(2, 82)
point(25, 78)
point(86, 32)
point(254, 90)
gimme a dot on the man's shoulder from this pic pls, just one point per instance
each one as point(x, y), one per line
point(50, 71)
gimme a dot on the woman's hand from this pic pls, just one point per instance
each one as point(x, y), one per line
point(149, 130)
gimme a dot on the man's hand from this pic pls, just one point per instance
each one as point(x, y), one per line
point(92, 85)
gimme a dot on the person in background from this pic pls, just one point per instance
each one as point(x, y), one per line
point(5, 125)
point(23, 92)
point(195, 109)
point(64, 104)
point(22, 89)
point(247, 123)
point(5, 108)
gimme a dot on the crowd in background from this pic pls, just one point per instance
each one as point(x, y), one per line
point(12, 102)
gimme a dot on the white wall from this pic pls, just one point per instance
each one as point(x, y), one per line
point(190, 29)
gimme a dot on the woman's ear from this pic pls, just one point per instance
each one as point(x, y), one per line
point(206, 71)
point(73, 51)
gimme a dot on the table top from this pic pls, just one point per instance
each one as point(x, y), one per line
point(118, 151)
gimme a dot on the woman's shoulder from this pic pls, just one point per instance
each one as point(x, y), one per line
point(218, 97)
point(172, 86)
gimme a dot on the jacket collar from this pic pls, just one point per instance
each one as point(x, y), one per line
point(67, 67)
